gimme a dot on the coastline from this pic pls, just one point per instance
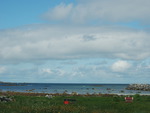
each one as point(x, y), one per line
point(12, 93)
point(70, 89)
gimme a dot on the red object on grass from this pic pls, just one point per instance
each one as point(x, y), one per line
point(128, 99)
point(69, 101)
point(66, 102)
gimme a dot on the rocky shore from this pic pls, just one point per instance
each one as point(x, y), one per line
point(142, 87)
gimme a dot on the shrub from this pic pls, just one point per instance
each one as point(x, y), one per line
point(137, 97)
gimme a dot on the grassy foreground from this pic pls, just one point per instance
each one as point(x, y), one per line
point(83, 104)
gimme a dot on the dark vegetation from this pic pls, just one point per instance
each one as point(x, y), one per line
point(38, 103)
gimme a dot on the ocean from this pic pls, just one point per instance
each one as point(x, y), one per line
point(69, 88)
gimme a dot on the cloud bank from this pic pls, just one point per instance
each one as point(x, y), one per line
point(73, 43)
point(102, 11)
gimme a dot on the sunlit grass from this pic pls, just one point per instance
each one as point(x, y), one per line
point(83, 104)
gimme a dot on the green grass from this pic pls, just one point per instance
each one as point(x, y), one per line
point(83, 104)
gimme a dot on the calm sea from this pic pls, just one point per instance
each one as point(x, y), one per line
point(69, 88)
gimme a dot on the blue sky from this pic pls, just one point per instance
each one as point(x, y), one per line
point(75, 41)
point(23, 12)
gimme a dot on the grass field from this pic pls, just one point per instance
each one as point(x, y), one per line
point(83, 104)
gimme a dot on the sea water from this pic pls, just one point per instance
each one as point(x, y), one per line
point(69, 88)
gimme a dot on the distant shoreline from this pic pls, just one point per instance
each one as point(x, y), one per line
point(61, 83)
point(70, 89)
point(12, 93)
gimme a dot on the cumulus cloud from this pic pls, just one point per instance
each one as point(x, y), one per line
point(120, 66)
point(103, 11)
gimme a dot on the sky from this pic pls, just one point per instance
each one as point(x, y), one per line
point(75, 41)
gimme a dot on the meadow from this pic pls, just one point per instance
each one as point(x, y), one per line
point(31, 103)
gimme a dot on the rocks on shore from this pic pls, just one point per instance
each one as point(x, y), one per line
point(49, 96)
point(143, 87)
point(5, 99)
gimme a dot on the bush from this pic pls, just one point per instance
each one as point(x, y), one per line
point(137, 97)
point(117, 99)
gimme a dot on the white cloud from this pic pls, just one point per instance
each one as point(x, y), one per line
point(60, 12)
point(2, 69)
point(49, 71)
point(85, 71)
point(52, 72)
point(103, 10)
point(52, 42)
point(120, 66)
